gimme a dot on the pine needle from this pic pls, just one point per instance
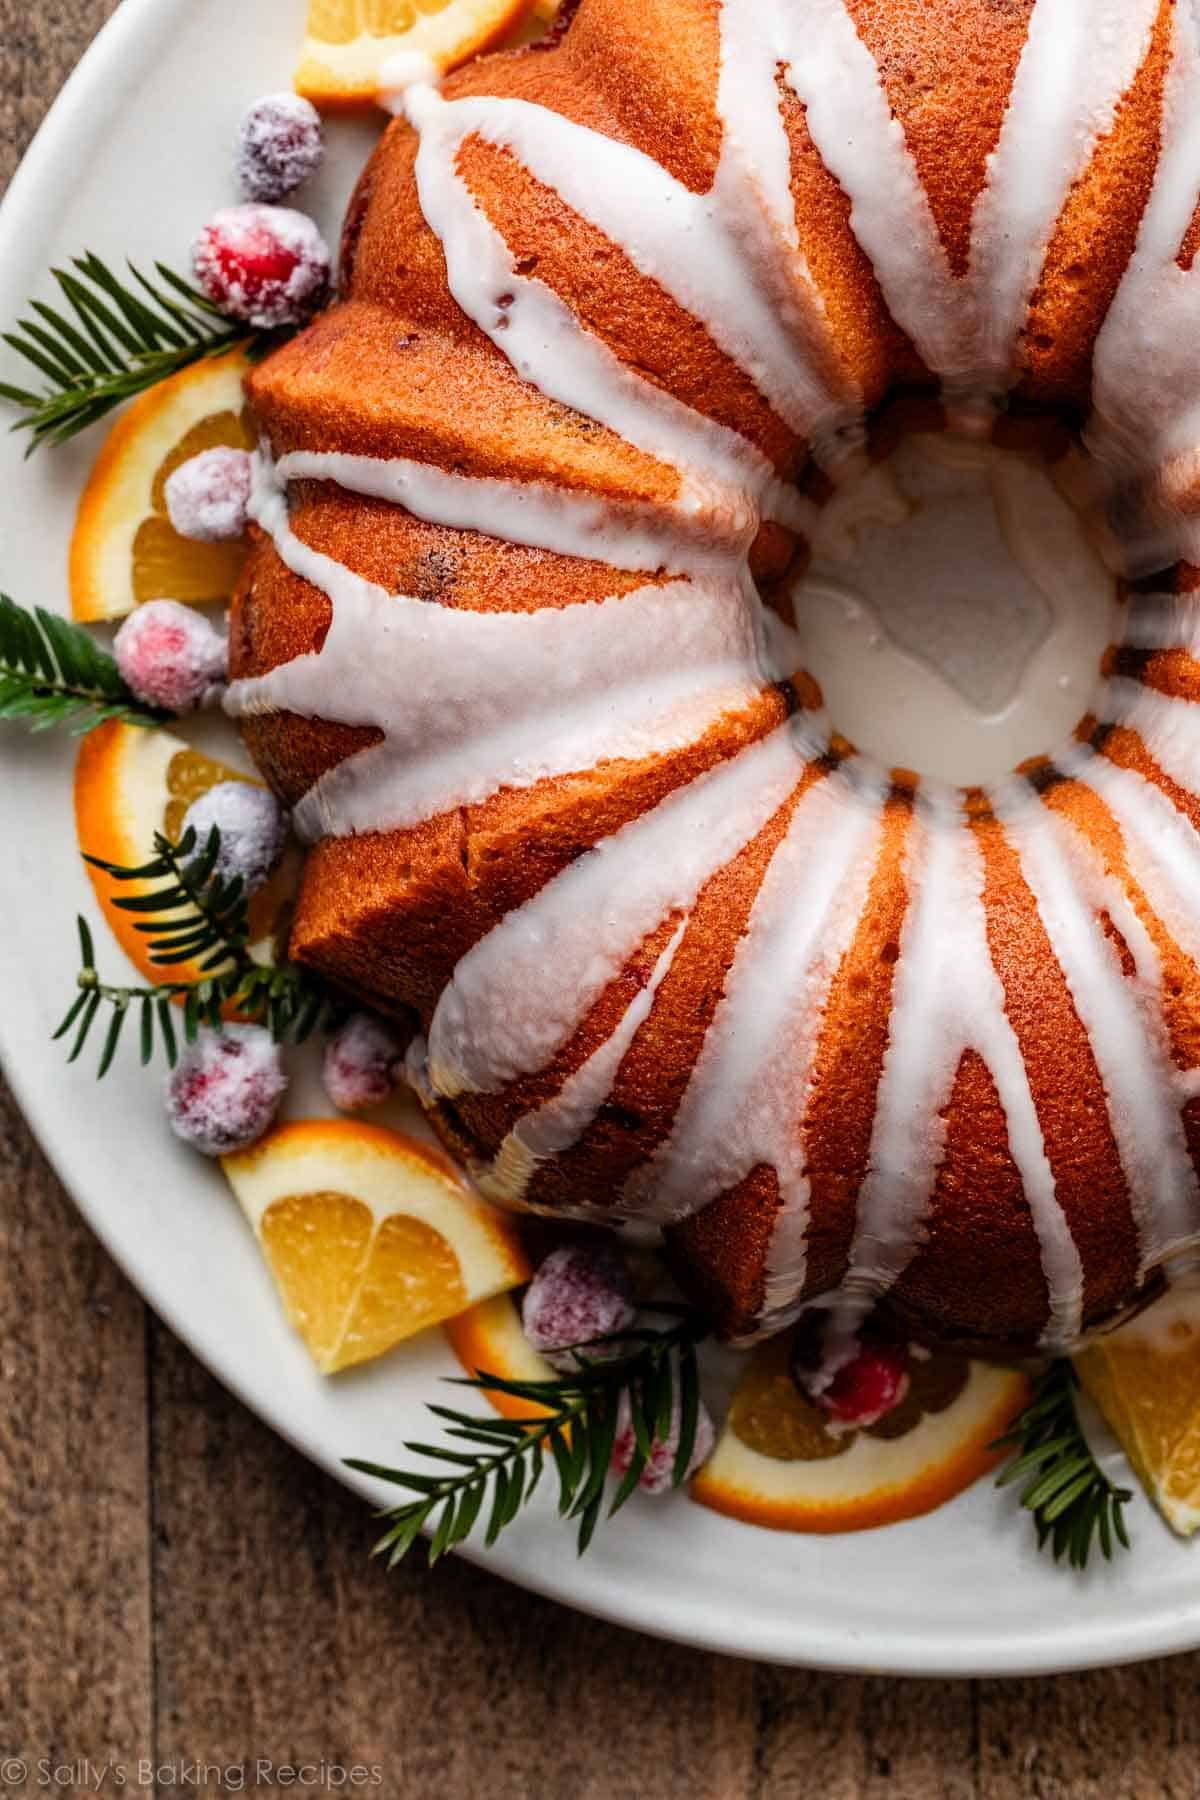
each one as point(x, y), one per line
point(110, 340)
point(54, 673)
point(574, 1419)
point(1072, 1500)
point(191, 914)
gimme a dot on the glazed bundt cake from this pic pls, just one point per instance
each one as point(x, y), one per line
point(618, 313)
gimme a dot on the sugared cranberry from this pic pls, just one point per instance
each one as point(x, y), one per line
point(266, 265)
point(253, 827)
point(279, 145)
point(172, 656)
point(225, 1088)
point(363, 1061)
point(581, 1292)
point(657, 1476)
point(208, 496)
point(867, 1387)
point(859, 1385)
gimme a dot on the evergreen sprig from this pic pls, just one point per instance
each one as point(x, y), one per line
point(1072, 1500)
point(191, 915)
point(53, 673)
point(113, 339)
point(580, 1416)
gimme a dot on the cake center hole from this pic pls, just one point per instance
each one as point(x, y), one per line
point(954, 611)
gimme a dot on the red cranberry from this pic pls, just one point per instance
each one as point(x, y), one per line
point(171, 656)
point(579, 1294)
point(362, 1062)
point(208, 496)
point(266, 265)
point(858, 1388)
point(658, 1475)
point(225, 1088)
point(279, 145)
point(253, 828)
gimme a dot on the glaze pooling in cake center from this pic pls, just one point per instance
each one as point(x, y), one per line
point(954, 611)
point(826, 1025)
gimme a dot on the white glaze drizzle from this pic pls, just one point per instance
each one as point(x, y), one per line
point(744, 1103)
point(1146, 373)
point(518, 995)
point(470, 702)
point(1078, 59)
point(1163, 622)
point(1161, 846)
point(1130, 1051)
point(542, 338)
point(570, 521)
point(562, 1121)
point(685, 242)
point(947, 999)
point(752, 188)
point(1168, 725)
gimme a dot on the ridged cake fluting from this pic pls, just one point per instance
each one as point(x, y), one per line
point(616, 316)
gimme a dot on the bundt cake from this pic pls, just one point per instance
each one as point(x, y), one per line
point(618, 313)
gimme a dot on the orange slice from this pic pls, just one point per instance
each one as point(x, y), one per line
point(124, 549)
point(349, 41)
point(535, 24)
point(370, 1236)
point(489, 1337)
point(1145, 1378)
point(130, 783)
point(776, 1463)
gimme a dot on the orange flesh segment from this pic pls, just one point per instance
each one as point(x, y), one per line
point(353, 1291)
point(169, 567)
point(1148, 1389)
point(412, 1280)
point(191, 774)
point(317, 1247)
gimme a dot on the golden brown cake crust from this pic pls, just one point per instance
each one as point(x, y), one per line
point(398, 370)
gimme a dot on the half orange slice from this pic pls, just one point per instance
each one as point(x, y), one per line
point(348, 42)
point(370, 1236)
point(130, 783)
point(124, 549)
point(1145, 1378)
point(777, 1464)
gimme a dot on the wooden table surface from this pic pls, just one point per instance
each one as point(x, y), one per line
point(178, 1588)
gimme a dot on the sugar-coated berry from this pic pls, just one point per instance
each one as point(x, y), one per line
point(580, 1293)
point(208, 496)
point(863, 1382)
point(870, 1385)
point(279, 145)
point(225, 1088)
point(253, 827)
point(363, 1062)
point(658, 1475)
point(266, 265)
point(172, 656)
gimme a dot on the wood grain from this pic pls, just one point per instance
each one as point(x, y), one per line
point(178, 1585)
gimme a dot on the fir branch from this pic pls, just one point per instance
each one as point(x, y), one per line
point(577, 1424)
point(193, 915)
point(53, 673)
point(111, 340)
point(1072, 1500)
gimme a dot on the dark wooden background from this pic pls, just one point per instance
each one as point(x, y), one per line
point(177, 1586)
